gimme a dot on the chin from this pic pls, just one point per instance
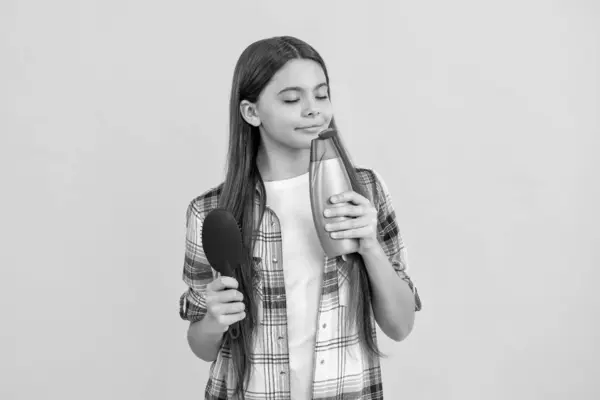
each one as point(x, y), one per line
point(305, 142)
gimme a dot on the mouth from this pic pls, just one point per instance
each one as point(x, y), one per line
point(311, 129)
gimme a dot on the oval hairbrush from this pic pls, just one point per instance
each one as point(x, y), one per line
point(222, 241)
point(222, 244)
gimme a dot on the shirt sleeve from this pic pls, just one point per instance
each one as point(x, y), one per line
point(197, 272)
point(390, 236)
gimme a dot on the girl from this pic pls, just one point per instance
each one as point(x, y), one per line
point(306, 322)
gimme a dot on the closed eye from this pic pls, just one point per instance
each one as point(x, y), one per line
point(296, 100)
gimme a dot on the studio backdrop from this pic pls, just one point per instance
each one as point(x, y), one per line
point(482, 117)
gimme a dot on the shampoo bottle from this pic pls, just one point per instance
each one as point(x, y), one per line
point(328, 177)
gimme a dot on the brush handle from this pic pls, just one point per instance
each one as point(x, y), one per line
point(227, 270)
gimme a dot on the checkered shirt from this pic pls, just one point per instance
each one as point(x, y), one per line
point(340, 369)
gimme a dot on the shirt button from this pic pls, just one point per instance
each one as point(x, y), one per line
point(274, 260)
point(324, 326)
point(322, 362)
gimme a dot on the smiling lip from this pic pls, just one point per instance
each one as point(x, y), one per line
point(312, 129)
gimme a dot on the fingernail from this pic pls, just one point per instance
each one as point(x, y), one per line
point(327, 212)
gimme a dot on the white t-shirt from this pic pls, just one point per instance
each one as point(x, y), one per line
point(303, 275)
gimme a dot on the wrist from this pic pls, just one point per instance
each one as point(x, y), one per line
point(370, 248)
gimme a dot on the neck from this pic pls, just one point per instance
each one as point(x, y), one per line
point(278, 165)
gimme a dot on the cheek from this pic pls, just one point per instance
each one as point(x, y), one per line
point(279, 118)
point(330, 116)
point(327, 111)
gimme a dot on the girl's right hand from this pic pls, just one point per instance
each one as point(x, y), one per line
point(224, 303)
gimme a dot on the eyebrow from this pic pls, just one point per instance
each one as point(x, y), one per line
point(320, 85)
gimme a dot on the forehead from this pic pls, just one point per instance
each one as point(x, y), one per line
point(298, 72)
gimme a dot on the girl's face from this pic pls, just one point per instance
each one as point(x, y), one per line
point(294, 107)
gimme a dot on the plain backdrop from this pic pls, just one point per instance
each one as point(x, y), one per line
point(482, 117)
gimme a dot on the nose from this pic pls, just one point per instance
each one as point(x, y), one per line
point(310, 109)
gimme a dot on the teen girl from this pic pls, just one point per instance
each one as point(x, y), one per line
point(306, 322)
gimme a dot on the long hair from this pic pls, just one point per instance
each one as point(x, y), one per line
point(253, 71)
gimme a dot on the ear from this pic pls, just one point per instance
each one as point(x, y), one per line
point(249, 113)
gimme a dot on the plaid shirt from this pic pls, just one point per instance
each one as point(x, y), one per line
point(340, 369)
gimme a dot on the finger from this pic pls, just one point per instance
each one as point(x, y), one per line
point(233, 308)
point(227, 308)
point(229, 282)
point(222, 283)
point(345, 210)
point(215, 285)
point(229, 319)
point(358, 233)
point(349, 196)
point(351, 223)
point(227, 296)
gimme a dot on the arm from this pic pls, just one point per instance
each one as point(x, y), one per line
point(224, 306)
point(395, 298)
point(205, 338)
point(393, 301)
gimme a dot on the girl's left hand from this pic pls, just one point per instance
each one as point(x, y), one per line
point(361, 223)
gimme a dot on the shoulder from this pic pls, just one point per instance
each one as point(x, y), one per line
point(204, 203)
